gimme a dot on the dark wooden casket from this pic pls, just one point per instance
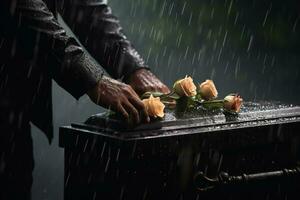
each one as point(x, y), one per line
point(195, 155)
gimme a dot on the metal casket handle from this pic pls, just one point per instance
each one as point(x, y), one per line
point(204, 183)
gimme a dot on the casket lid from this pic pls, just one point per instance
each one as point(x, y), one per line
point(196, 121)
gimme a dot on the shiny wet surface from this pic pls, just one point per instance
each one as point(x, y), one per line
point(251, 115)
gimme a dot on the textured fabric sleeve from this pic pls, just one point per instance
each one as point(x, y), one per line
point(101, 33)
point(36, 28)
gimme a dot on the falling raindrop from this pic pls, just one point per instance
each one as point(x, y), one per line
point(250, 43)
point(295, 24)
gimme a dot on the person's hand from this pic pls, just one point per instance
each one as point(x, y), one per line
point(143, 80)
point(119, 97)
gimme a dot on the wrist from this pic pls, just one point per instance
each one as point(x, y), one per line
point(127, 79)
point(94, 89)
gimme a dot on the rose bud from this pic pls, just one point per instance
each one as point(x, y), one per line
point(208, 90)
point(155, 108)
point(233, 103)
point(185, 87)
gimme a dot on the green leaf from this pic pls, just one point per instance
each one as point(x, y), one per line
point(146, 95)
point(174, 96)
point(198, 96)
point(166, 97)
point(213, 104)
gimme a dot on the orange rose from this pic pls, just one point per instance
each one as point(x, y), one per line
point(208, 90)
point(185, 87)
point(154, 107)
point(233, 102)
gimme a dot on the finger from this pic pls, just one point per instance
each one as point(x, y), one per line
point(133, 92)
point(132, 110)
point(135, 100)
point(122, 110)
point(165, 89)
point(137, 103)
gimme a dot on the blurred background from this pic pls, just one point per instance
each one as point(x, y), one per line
point(249, 47)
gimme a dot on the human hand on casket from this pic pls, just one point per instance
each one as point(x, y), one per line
point(143, 80)
point(119, 97)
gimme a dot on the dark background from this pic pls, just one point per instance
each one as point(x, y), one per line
point(250, 47)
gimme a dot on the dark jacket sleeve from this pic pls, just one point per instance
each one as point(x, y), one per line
point(100, 32)
point(35, 27)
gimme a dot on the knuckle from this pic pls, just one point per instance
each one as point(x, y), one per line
point(122, 98)
point(125, 115)
point(134, 112)
point(151, 87)
point(119, 105)
point(141, 105)
point(117, 102)
point(126, 90)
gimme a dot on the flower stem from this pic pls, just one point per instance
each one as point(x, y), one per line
point(212, 102)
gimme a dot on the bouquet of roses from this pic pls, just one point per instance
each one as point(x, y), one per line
point(186, 94)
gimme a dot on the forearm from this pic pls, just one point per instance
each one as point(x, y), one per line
point(101, 33)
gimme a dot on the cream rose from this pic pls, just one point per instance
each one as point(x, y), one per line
point(208, 90)
point(185, 87)
point(154, 107)
point(233, 102)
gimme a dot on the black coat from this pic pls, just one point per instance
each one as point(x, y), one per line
point(34, 49)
